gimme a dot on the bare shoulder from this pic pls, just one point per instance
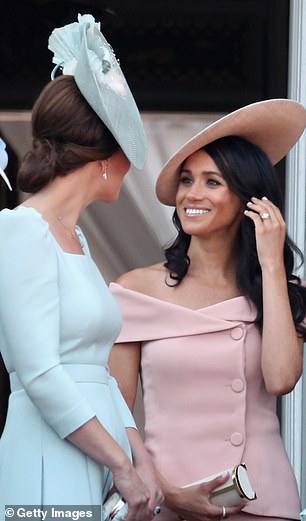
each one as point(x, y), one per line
point(146, 280)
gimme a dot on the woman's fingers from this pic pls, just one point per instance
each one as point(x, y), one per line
point(270, 230)
point(264, 209)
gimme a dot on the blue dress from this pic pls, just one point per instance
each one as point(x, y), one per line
point(58, 322)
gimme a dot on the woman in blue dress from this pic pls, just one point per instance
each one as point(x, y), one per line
point(69, 436)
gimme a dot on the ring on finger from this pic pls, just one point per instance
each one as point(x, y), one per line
point(157, 510)
point(224, 513)
point(265, 215)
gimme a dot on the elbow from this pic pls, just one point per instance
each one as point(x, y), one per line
point(279, 390)
point(280, 386)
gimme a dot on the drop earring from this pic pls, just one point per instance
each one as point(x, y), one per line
point(104, 173)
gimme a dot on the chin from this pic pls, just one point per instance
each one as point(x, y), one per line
point(193, 228)
point(110, 198)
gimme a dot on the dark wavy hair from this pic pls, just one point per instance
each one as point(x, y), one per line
point(248, 172)
point(67, 134)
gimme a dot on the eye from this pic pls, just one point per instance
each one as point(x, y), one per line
point(213, 182)
point(185, 179)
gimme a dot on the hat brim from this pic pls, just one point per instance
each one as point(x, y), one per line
point(4, 176)
point(112, 100)
point(82, 51)
point(3, 162)
point(274, 125)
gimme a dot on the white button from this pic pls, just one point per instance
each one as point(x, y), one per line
point(237, 333)
point(237, 385)
point(236, 439)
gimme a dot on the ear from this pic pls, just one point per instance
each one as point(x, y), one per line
point(103, 164)
point(100, 164)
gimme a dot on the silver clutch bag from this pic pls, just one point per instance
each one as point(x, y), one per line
point(114, 508)
point(234, 490)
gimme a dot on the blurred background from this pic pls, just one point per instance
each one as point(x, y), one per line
point(187, 64)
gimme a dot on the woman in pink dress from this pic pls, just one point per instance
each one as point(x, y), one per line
point(216, 331)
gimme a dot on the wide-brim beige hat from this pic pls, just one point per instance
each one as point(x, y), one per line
point(274, 125)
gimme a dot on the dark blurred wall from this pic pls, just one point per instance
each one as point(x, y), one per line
point(198, 55)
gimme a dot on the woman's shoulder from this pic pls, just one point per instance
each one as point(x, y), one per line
point(23, 215)
point(23, 227)
point(145, 280)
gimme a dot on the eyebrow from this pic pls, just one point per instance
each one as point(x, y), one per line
point(207, 172)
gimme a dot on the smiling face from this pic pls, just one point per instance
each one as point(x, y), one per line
point(205, 204)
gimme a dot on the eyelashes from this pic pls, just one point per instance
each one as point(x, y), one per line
point(210, 181)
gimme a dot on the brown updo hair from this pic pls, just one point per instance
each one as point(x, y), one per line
point(67, 134)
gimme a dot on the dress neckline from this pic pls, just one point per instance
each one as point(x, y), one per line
point(240, 298)
point(77, 230)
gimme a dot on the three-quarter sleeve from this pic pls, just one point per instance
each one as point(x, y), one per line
point(30, 320)
point(125, 413)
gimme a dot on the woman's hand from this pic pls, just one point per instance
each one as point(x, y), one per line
point(145, 468)
point(93, 439)
point(193, 503)
point(135, 493)
point(147, 473)
point(270, 231)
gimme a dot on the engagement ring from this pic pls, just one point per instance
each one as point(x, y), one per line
point(265, 215)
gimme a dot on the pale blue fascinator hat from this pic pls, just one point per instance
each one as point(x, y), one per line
point(3, 162)
point(81, 51)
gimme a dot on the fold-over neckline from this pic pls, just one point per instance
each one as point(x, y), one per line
point(237, 308)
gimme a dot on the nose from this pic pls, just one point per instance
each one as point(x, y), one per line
point(196, 191)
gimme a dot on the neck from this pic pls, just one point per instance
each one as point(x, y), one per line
point(213, 258)
point(62, 200)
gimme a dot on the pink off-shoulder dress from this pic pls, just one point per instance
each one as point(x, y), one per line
point(206, 406)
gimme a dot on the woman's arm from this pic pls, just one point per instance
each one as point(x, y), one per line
point(282, 348)
point(124, 364)
point(95, 441)
point(145, 468)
